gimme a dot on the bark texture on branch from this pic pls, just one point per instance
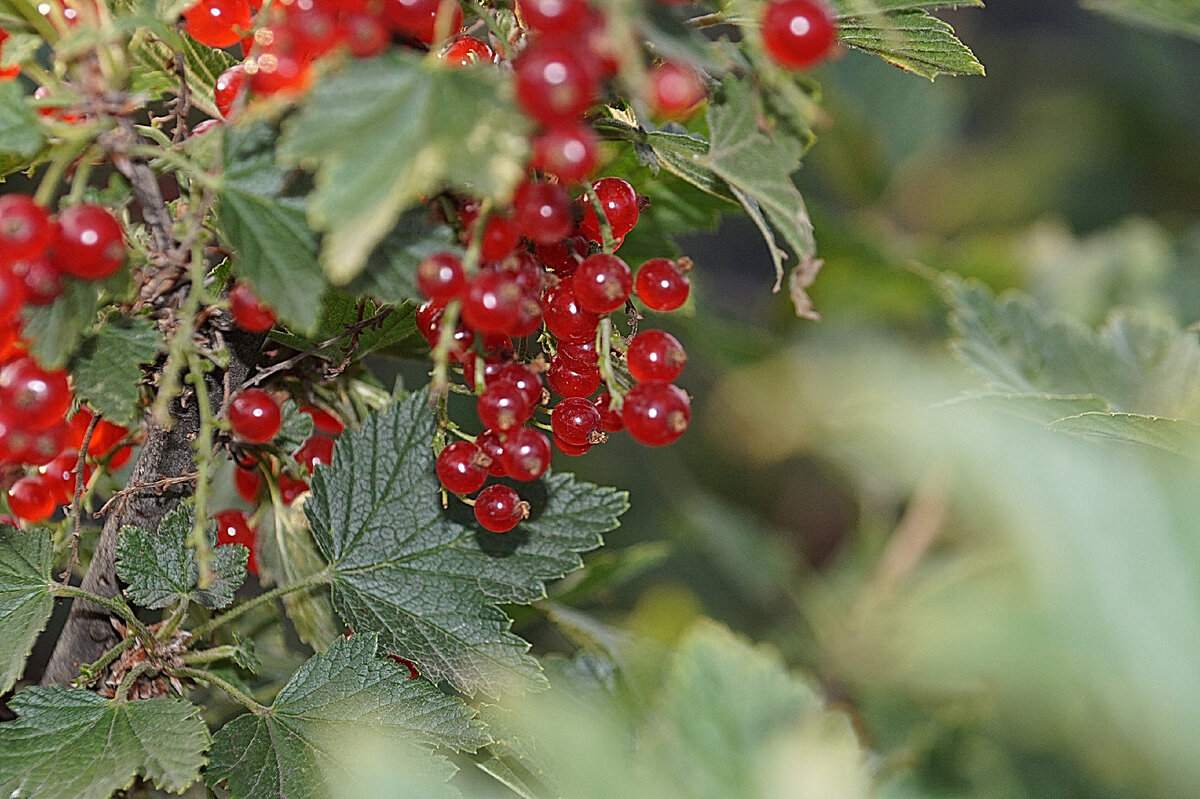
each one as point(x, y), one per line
point(167, 453)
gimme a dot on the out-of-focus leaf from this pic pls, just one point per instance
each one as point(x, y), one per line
point(107, 369)
point(25, 601)
point(20, 135)
point(1174, 16)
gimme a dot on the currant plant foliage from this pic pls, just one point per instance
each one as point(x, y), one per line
point(215, 214)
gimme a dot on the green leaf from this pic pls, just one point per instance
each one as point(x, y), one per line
point(69, 742)
point(295, 429)
point(384, 132)
point(262, 220)
point(25, 601)
point(154, 45)
point(159, 568)
point(913, 40)
point(341, 312)
point(20, 134)
point(287, 554)
point(55, 330)
point(1138, 363)
point(1174, 16)
point(429, 580)
point(1172, 435)
point(107, 369)
point(391, 271)
point(305, 743)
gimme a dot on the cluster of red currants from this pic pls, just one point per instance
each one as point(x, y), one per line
point(539, 275)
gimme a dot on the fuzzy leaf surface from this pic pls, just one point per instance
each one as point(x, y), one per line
point(913, 40)
point(263, 222)
point(304, 744)
point(107, 369)
point(70, 742)
point(20, 134)
point(430, 580)
point(159, 568)
point(25, 601)
point(383, 132)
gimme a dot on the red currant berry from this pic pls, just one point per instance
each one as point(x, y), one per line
point(218, 23)
point(40, 278)
point(603, 283)
point(32, 396)
point(440, 277)
point(525, 379)
point(25, 228)
point(526, 454)
point(420, 18)
point(254, 416)
point(498, 508)
point(663, 284)
point(503, 406)
point(46, 445)
point(59, 476)
point(621, 208)
point(249, 313)
point(576, 421)
point(581, 354)
point(610, 420)
point(88, 243)
point(313, 29)
point(247, 483)
point(564, 255)
point(568, 379)
point(234, 528)
point(573, 450)
point(656, 413)
point(553, 82)
point(492, 303)
point(543, 211)
point(462, 468)
point(655, 355)
point(12, 295)
point(467, 51)
point(229, 85)
point(363, 34)
point(501, 235)
point(316, 451)
point(7, 73)
point(675, 90)
point(31, 499)
point(324, 421)
point(489, 441)
point(290, 488)
point(566, 149)
point(563, 315)
point(273, 70)
point(798, 34)
point(554, 16)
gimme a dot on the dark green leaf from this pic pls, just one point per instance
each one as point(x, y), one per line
point(429, 579)
point(295, 429)
point(159, 568)
point(74, 743)
point(391, 271)
point(107, 368)
point(243, 653)
point(340, 314)
point(265, 225)
point(384, 132)
point(20, 134)
point(25, 601)
point(912, 40)
point(305, 743)
point(54, 330)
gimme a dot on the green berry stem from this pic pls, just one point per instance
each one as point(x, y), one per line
point(114, 605)
point(122, 693)
point(234, 693)
point(323, 577)
point(212, 655)
point(604, 341)
point(606, 233)
point(174, 620)
point(203, 445)
point(89, 672)
point(441, 353)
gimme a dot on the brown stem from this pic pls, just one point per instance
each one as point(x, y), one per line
point(167, 454)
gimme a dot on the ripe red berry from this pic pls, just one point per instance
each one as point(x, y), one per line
point(462, 467)
point(553, 81)
point(249, 313)
point(420, 18)
point(290, 488)
point(662, 284)
point(489, 441)
point(234, 528)
point(544, 211)
point(610, 420)
point(620, 203)
point(603, 282)
point(317, 450)
point(59, 475)
point(563, 315)
point(492, 303)
point(33, 397)
point(526, 454)
point(88, 242)
point(575, 420)
point(798, 33)
point(40, 278)
point(25, 228)
point(467, 51)
point(675, 90)
point(503, 406)
point(229, 85)
point(12, 295)
point(656, 413)
point(364, 34)
point(218, 23)
point(525, 379)
point(247, 483)
point(31, 499)
point(570, 379)
point(655, 355)
point(254, 416)
point(498, 508)
point(501, 235)
point(573, 450)
point(7, 73)
point(440, 277)
point(554, 16)
point(324, 421)
point(566, 149)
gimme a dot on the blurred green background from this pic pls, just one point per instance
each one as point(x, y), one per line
point(1002, 610)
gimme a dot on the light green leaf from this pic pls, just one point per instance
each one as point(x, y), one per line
point(25, 601)
point(107, 369)
point(287, 554)
point(912, 40)
point(384, 132)
point(306, 743)
point(429, 580)
point(159, 568)
point(73, 743)
point(20, 134)
point(1173, 16)
point(55, 330)
point(262, 220)
point(1172, 435)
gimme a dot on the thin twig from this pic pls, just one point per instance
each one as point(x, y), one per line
point(77, 500)
point(295, 359)
point(157, 485)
